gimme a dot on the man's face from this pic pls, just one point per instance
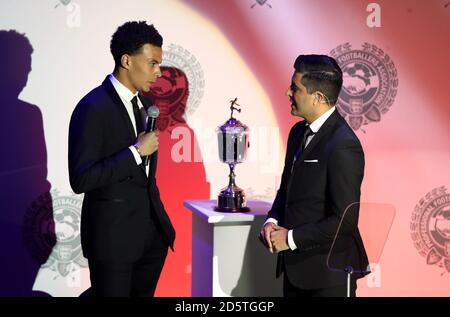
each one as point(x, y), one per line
point(144, 67)
point(301, 101)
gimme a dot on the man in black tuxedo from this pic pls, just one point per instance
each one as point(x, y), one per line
point(322, 176)
point(125, 230)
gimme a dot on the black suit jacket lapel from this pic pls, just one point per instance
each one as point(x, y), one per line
point(123, 112)
point(120, 106)
point(323, 132)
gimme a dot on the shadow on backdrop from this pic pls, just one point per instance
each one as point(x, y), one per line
point(181, 175)
point(27, 229)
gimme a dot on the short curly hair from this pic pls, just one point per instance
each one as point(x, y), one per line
point(15, 47)
point(130, 37)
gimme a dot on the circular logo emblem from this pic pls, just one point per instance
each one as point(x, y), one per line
point(370, 83)
point(430, 227)
point(58, 217)
point(180, 58)
point(169, 94)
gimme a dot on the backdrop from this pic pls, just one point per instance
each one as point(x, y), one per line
point(395, 58)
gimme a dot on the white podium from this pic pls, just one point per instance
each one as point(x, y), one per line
point(227, 257)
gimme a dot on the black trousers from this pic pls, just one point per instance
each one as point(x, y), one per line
point(131, 279)
point(290, 290)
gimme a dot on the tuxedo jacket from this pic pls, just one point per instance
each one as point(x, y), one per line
point(119, 198)
point(311, 200)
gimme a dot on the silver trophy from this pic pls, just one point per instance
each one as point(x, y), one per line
point(233, 145)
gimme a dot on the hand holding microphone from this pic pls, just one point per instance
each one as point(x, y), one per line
point(153, 113)
point(148, 142)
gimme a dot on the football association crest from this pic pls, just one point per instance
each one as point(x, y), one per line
point(370, 83)
point(430, 227)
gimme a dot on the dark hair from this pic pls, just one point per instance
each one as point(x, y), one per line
point(131, 36)
point(16, 48)
point(320, 73)
point(15, 62)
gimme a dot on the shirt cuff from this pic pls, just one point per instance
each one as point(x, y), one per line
point(272, 220)
point(291, 242)
point(136, 155)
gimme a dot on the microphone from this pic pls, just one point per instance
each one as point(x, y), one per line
point(153, 113)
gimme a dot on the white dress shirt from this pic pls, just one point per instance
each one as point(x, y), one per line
point(314, 126)
point(126, 96)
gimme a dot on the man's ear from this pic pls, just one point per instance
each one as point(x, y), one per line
point(316, 99)
point(125, 61)
point(319, 97)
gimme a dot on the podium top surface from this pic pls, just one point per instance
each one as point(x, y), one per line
point(205, 209)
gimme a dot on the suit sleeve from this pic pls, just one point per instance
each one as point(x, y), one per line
point(88, 167)
point(345, 174)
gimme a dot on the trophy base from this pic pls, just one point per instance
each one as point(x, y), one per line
point(235, 203)
point(230, 210)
